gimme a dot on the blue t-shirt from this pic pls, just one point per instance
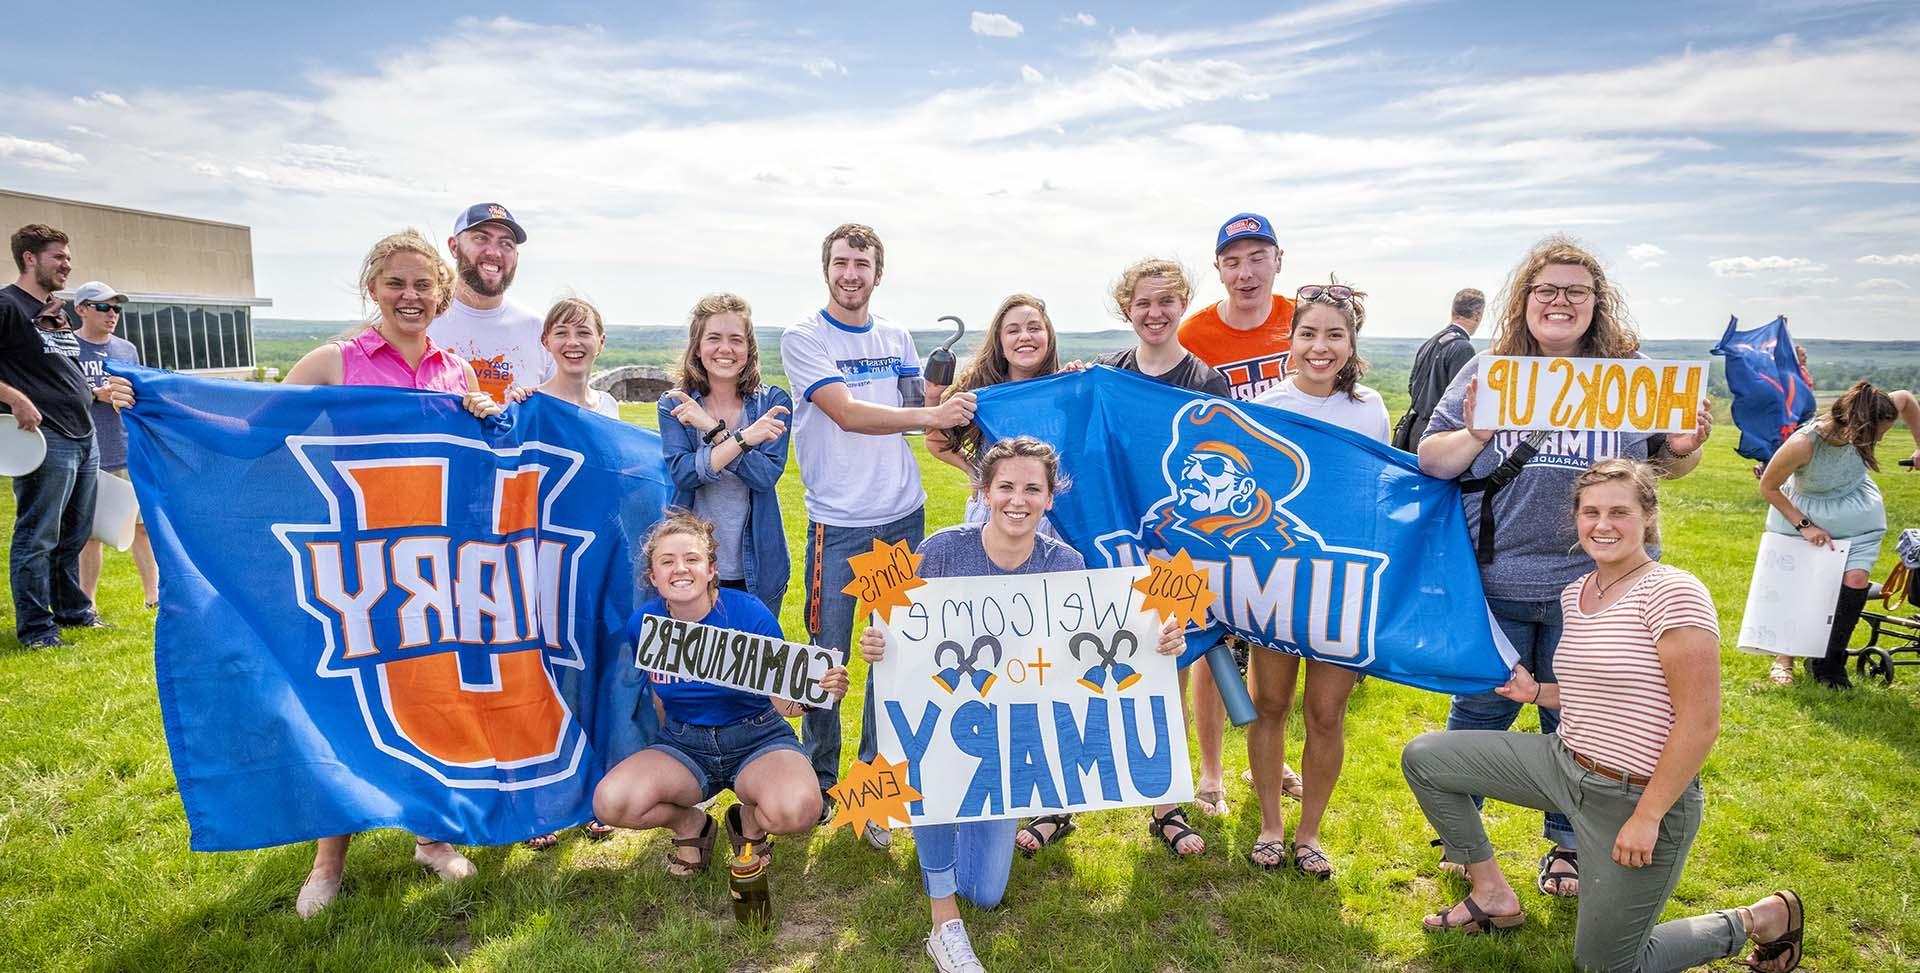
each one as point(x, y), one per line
point(703, 703)
point(958, 552)
point(107, 430)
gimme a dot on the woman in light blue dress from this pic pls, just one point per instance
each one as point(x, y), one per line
point(1818, 487)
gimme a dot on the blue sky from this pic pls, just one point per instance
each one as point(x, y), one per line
point(1749, 158)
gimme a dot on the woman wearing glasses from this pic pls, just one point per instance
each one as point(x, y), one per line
point(1325, 384)
point(1558, 303)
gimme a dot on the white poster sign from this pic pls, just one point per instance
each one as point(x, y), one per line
point(1020, 695)
point(1605, 394)
point(1791, 600)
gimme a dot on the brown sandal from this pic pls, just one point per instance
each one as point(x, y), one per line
point(702, 844)
point(1788, 945)
point(760, 848)
point(1478, 921)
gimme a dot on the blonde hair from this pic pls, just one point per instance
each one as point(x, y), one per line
point(1640, 476)
point(691, 374)
point(1610, 335)
point(572, 310)
point(684, 522)
point(407, 241)
point(1140, 270)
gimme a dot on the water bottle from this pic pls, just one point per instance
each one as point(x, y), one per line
point(940, 362)
point(747, 881)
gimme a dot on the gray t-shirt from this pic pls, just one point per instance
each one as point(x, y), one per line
point(107, 430)
point(958, 552)
point(1191, 373)
point(1536, 551)
point(724, 504)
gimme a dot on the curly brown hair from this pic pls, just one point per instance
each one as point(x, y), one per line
point(1611, 335)
point(1855, 419)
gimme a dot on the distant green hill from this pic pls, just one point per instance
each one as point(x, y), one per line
point(1835, 364)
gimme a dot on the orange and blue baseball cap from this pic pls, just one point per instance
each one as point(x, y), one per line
point(1244, 226)
point(480, 213)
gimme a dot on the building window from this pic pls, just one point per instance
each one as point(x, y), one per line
point(186, 337)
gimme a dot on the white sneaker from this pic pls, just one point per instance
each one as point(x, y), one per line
point(444, 860)
point(879, 837)
point(951, 951)
point(315, 893)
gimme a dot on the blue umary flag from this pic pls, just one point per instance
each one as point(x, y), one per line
point(1320, 542)
point(376, 610)
point(1770, 396)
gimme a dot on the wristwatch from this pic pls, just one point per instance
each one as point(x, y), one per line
point(740, 441)
point(1805, 522)
point(715, 433)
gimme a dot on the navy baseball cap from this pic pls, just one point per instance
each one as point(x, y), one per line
point(480, 213)
point(1244, 226)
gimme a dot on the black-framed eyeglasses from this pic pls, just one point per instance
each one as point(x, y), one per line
point(103, 307)
point(1339, 293)
point(1548, 293)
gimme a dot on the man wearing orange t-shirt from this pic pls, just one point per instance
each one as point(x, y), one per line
point(1247, 335)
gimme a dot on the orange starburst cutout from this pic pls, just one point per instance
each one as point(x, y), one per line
point(1176, 589)
point(883, 576)
point(875, 792)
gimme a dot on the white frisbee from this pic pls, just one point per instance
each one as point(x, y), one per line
point(20, 452)
point(113, 509)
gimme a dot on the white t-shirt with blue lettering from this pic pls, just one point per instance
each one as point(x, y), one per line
point(853, 479)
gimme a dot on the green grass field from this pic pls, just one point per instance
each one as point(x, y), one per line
point(1808, 788)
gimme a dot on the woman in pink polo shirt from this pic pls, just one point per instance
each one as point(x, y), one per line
point(410, 284)
point(1638, 690)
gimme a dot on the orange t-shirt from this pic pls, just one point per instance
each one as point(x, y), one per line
point(1252, 361)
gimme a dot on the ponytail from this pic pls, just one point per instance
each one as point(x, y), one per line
point(1856, 418)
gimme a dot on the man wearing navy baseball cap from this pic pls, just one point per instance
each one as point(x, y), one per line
point(1246, 337)
point(500, 338)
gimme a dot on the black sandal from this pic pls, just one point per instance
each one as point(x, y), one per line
point(1302, 855)
point(1788, 944)
point(1062, 826)
point(1277, 848)
point(757, 848)
point(702, 843)
point(1175, 818)
point(1559, 879)
point(1478, 921)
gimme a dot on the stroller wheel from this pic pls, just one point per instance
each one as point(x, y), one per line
point(1874, 663)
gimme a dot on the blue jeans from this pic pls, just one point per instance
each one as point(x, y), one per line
point(715, 755)
point(830, 624)
point(970, 859)
point(1534, 629)
point(53, 519)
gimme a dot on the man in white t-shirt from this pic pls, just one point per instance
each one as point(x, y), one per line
point(857, 391)
point(500, 338)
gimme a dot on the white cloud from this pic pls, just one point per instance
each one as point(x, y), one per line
point(1890, 260)
point(1753, 266)
point(83, 130)
point(1647, 255)
point(107, 98)
point(995, 25)
point(1031, 74)
point(1082, 18)
point(1268, 30)
point(39, 155)
point(820, 67)
point(1883, 284)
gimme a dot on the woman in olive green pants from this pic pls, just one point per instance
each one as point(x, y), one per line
point(1639, 693)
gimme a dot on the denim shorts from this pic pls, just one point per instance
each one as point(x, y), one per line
point(715, 755)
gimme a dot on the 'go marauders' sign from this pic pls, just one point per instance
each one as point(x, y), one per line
point(1018, 695)
point(1606, 394)
point(742, 660)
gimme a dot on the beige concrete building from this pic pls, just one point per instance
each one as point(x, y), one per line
point(189, 281)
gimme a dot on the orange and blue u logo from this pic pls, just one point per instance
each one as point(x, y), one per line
point(442, 599)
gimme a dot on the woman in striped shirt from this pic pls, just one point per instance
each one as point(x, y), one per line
point(1638, 691)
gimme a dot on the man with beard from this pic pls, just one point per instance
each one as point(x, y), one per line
point(41, 385)
point(857, 381)
point(500, 338)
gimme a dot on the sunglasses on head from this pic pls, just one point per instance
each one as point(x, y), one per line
point(1338, 293)
point(103, 307)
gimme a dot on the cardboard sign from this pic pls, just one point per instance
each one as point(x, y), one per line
point(883, 576)
point(1176, 589)
point(1605, 394)
point(1790, 602)
point(740, 660)
point(872, 793)
point(1018, 695)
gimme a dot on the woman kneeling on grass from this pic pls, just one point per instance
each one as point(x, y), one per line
point(1639, 700)
point(712, 738)
point(1016, 479)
